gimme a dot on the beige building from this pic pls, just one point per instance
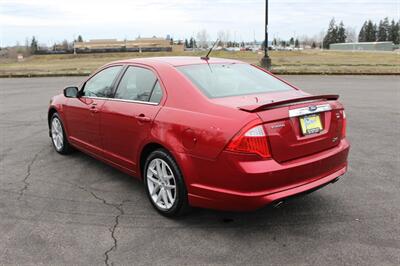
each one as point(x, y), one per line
point(138, 45)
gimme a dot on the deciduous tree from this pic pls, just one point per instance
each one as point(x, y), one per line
point(202, 38)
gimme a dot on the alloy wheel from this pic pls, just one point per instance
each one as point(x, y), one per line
point(57, 133)
point(161, 184)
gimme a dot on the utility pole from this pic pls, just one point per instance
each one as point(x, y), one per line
point(266, 60)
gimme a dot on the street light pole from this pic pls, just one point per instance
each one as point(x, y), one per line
point(266, 60)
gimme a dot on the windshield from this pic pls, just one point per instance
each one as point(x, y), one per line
point(223, 80)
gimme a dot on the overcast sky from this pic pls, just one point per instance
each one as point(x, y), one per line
point(53, 20)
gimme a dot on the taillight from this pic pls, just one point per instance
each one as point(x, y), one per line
point(251, 139)
point(344, 125)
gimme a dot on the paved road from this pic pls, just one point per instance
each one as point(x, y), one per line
point(75, 210)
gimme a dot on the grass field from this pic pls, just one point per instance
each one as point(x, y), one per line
point(284, 62)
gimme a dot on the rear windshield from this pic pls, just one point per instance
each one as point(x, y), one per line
point(223, 80)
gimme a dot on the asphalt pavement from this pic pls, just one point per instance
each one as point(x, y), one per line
point(73, 209)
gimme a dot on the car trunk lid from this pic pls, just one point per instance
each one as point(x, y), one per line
point(283, 119)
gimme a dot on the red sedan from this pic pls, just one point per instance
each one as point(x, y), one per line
point(214, 133)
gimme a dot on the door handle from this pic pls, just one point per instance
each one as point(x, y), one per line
point(143, 118)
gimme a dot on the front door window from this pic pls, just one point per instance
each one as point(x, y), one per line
point(101, 84)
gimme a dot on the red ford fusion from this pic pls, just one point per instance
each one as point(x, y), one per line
point(210, 133)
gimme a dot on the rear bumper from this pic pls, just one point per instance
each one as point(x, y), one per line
point(245, 185)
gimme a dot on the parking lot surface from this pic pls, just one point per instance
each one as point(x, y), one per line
point(76, 210)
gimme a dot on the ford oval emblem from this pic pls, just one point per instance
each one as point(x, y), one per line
point(312, 108)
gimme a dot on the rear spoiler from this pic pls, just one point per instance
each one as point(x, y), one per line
point(272, 104)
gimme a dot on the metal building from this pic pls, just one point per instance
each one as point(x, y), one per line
point(363, 46)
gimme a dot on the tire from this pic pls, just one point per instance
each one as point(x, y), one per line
point(58, 136)
point(161, 161)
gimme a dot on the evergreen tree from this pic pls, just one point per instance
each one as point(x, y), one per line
point(370, 32)
point(34, 45)
point(186, 44)
point(297, 43)
point(331, 35)
point(361, 35)
point(313, 45)
point(80, 39)
point(394, 34)
point(341, 33)
point(374, 34)
point(383, 30)
point(191, 42)
point(291, 41)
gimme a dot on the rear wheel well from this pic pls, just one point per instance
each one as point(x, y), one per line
point(149, 148)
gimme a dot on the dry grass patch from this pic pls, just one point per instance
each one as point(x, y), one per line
point(310, 61)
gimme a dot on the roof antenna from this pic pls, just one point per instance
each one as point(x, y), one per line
point(209, 52)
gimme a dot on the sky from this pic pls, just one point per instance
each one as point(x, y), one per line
point(54, 20)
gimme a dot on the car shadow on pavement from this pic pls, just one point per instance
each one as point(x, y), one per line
point(116, 187)
point(307, 209)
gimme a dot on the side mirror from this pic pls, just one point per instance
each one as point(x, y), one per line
point(71, 92)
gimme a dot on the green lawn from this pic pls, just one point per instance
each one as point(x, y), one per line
point(284, 62)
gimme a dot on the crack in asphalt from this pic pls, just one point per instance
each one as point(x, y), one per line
point(119, 207)
point(114, 227)
point(28, 174)
point(112, 231)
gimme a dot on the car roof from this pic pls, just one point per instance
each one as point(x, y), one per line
point(178, 61)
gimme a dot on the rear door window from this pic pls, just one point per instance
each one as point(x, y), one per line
point(137, 84)
point(157, 93)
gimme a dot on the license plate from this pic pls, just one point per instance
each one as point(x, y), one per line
point(310, 124)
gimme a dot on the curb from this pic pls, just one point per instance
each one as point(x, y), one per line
point(42, 75)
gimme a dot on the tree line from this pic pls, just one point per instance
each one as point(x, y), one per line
point(370, 32)
point(291, 43)
point(33, 47)
point(384, 31)
point(191, 43)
